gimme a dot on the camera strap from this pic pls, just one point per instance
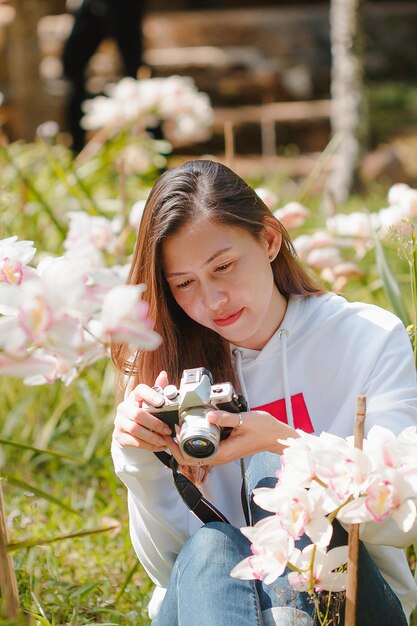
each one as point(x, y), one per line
point(190, 494)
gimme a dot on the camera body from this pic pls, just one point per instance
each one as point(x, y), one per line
point(188, 407)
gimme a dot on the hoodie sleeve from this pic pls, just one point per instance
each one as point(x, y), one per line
point(391, 393)
point(158, 518)
point(391, 388)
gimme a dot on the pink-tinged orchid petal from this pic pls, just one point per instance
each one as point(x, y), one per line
point(30, 366)
point(293, 215)
point(356, 224)
point(87, 230)
point(267, 196)
point(344, 469)
point(250, 568)
point(405, 516)
point(272, 547)
point(124, 318)
point(35, 317)
point(322, 571)
point(320, 531)
point(13, 340)
point(14, 250)
point(64, 337)
point(63, 370)
point(322, 258)
point(64, 284)
point(11, 271)
point(355, 512)
point(381, 500)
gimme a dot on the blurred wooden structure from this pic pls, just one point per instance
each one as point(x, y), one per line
point(246, 58)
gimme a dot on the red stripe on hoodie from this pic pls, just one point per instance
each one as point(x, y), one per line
point(299, 409)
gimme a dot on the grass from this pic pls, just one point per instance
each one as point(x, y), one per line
point(79, 580)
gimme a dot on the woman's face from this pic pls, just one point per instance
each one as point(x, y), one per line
point(222, 278)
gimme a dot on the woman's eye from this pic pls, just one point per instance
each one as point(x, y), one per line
point(223, 267)
point(184, 284)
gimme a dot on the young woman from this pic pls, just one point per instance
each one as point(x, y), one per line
point(226, 292)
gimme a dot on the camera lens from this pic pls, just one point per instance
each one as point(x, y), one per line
point(199, 448)
point(198, 438)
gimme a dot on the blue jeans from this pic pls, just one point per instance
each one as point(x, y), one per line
point(201, 591)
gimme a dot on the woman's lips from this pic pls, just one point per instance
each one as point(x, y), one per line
point(230, 319)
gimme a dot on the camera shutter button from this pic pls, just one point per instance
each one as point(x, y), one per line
point(171, 392)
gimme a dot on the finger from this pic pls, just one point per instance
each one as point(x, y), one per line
point(225, 419)
point(141, 433)
point(129, 414)
point(174, 448)
point(126, 440)
point(149, 395)
point(152, 422)
point(162, 380)
point(182, 459)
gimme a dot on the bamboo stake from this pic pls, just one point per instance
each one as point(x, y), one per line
point(8, 584)
point(353, 541)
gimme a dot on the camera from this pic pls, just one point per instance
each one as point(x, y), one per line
point(188, 407)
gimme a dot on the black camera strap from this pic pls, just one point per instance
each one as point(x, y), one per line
point(190, 494)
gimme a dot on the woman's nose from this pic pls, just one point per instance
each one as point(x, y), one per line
point(214, 297)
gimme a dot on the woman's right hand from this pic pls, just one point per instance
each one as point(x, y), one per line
point(135, 426)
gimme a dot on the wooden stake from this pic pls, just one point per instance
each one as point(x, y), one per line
point(353, 541)
point(8, 584)
point(269, 140)
point(229, 144)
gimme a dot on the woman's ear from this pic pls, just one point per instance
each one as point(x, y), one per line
point(272, 237)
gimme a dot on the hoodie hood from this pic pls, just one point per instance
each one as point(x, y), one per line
point(300, 319)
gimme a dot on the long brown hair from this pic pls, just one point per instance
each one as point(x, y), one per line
point(203, 189)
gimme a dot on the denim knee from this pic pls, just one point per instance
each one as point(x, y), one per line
point(216, 544)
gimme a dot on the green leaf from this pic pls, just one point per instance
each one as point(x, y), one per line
point(33, 189)
point(40, 619)
point(127, 580)
point(24, 446)
point(82, 590)
point(31, 543)
point(389, 282)
point(37, 492)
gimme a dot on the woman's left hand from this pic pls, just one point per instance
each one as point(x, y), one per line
point(258, 432)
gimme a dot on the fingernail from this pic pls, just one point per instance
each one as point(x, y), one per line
point(157, 400)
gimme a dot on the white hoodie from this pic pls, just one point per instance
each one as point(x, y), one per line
point(325, 353)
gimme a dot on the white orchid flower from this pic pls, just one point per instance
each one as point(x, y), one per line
point(267, 196)
point(344, 469)
point(90, 230)
point(185, 112)
point(124, 318)
point(293, 215)
point(388, 494)
point(325, 571)
point(272, 547)
point(16, 250)
point(298, 513)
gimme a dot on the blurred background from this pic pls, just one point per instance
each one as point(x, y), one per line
point(240, 54)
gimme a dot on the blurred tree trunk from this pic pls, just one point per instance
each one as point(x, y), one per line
point(349, 108)
point(27, 95)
